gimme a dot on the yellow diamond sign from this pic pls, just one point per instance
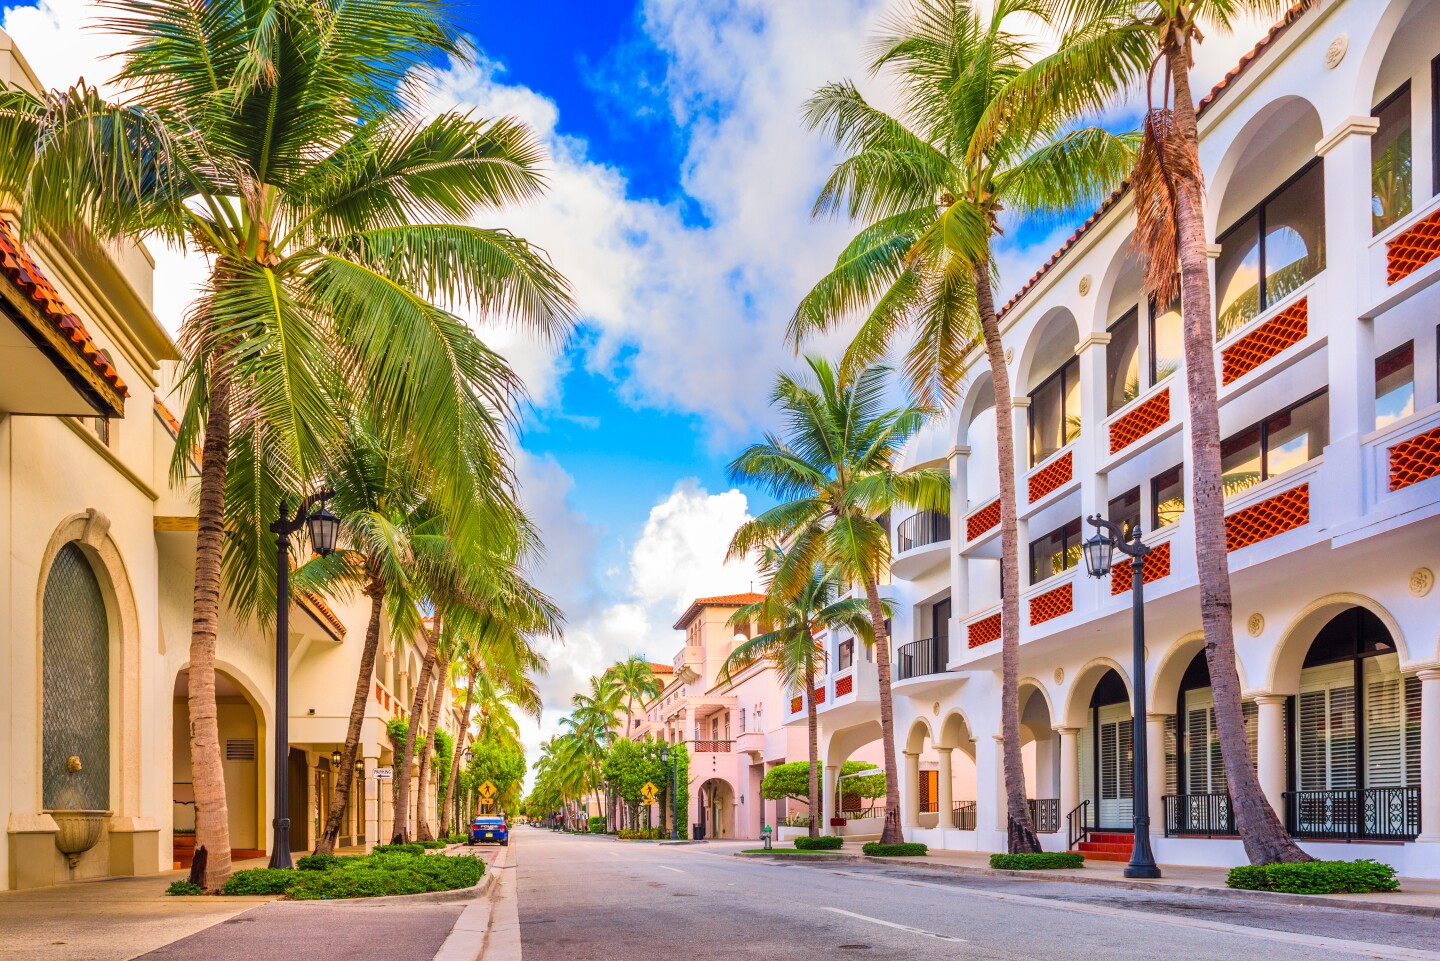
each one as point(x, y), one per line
point(648, 792)
point(487, 790)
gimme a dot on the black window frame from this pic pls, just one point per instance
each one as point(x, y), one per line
point(1110, 511)
point(1262, 425)
point(1179, 468)
point(1154, 371)
point(1078, 534)
point(1133, 312)
point(1435, 126)
point(1258, 212)
point(1398, 92)
point(1389, 355)
point(1059, 373)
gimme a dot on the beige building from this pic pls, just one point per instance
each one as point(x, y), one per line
point(96, 573)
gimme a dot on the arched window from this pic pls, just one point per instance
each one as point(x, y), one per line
point(75, 654)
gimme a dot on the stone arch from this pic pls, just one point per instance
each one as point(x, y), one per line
point(1382, 40)
point(1166, 678)
point(717, 805)
point(1051, 343)
point(1077, 703)
point(846, 741)
point(979, 397)
point(1033, 685)
point(1284, 130)
point(956, 732)
point(1114, 281)
point(917, 735)
point(1283, 675)
point(90, 531)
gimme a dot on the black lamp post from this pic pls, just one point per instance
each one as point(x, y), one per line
point(323, 528)
point(1099, 552)
point(465, 758)
point(665, 758)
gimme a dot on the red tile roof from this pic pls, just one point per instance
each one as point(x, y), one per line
point(1274, 33)
point(723, 600)
point(317, 605)
point(17, 265)
point(662, 668)
point(167, 418)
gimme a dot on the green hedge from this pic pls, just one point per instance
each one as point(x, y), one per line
point(908, 849)
point(824, 842)
point(183, 888)
point(1316, 877)
point(1037, 862)
point(261, 881)
point(458, 838)
point(318, 862)
point(413, 847)
point(642, 834)
point(435, 845)
point(597, 824)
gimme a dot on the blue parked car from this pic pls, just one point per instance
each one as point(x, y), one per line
point(490, 830)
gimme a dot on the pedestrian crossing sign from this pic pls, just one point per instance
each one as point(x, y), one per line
point(487, 790)
point(648, 792)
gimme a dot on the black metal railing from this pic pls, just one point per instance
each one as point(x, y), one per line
point(1077, 826)
point(920, 530)
point(919, 658)
point(1199, 816)
point(962, 815)
point(1378, 813)
point(1045, 814)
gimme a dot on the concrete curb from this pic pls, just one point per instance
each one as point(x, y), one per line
point(798, 856)
point(477, 890)
point(468, 937)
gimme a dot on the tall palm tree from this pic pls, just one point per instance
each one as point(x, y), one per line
point(1110, 47)
point(284, 141)
point(790, 647)
point(832, 469)
point(930, 182)
point(637, 683)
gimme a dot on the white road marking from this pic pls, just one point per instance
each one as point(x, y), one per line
point(898, 927)
point(664, 868)
point(1385, 951)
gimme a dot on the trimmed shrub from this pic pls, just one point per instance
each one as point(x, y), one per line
point(318, 862)
point(458, 838)
point(183, 888)
point(435, 845)
point(907, 849)
point(825, 842)
point(411, 848)
point(1045, 860)
point(597, 824)
point(641, 834)
point(362, 883)
point(261, 881)
point(1316, 877)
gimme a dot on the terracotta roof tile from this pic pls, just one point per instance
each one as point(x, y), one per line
point(17, 264)
point(317, 603)
point(1274, 33)
point(662, 668)
point(166, 417)
point(722, 600)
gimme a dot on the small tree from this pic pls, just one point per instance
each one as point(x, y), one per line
point(792, 781)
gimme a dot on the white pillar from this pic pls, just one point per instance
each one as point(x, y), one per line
point(960, 604)
point(910, 797)
point(1090, 592)
point(1002, 803)
point(1430, 755)
point(1021, 422)
point(828, 775)
point(1270, 749)
point(1155, 773)
point(946, 800)
point(1069, 769)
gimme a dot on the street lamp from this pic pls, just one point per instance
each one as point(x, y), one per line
point(323, 529)
point(335, 759)
point(665, 758)
point(1099, 551)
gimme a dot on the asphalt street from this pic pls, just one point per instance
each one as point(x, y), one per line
point(596, 898)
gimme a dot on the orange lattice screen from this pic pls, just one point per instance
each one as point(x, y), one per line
point(818, 695)
point(1415, 460)
point(1266, 341)
point(1413, 249)
point(984, 631)
point(844, 685)
point(1142, 420)
point(1157, 565)
point(1050, 478)
point(1051, 604)
point(796, 703)
point(1281, 513)
point(983, 520)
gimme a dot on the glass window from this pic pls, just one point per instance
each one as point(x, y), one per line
point(847, 654)
point(1055, 552)
point(1395, 385)
point(1390, 161)
point(1292, 224)
point(1167, 496)
point(1167, 342)
point(1122, 361)
point(1240, 462)
point(1125, 510)
point(1055, 412)
point(1284, 441)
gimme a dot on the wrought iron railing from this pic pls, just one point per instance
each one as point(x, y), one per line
point(1199, 815)
point(962, 815)
point(1379, 813)
point(711, 747)
point(920, 530)
point(919, 658)
point(1045, 814)
point(1077, 824)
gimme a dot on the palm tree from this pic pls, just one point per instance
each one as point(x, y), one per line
point(833, 474)
point(1108, 48)
point(791, 649)
point(930, 183)
point(286, 143)
point(637, 683)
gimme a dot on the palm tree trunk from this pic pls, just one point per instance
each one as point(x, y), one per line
point(422, 816)
point(459, 749)
point(891, 833)
point(375, 590)
point(401, 830)
point(812, 726)
point(1265, 838)
point(1021, 833)
point(207, 776)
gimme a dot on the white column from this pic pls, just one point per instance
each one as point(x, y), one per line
point(946, 800)
point(1021, 422)
point(1069, 769)
point(828, 775)
point(1002, 804)
point(960, 604)
point(1155, 770)
point(910, 797)
point(1090, 592)
point(1430, 755)
point(1270, 749)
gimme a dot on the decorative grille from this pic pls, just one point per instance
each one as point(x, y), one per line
point(1270, 339)
point(844, 685)
point(1281, 513)
point(1149, 416)
point(984, 631)
point(1051, 477)
point(1157, 565)
point(76, 687)
point(1413, 249)
point(986, 518)
point(1414, 460)
point(1051, 604)
point(240, 749)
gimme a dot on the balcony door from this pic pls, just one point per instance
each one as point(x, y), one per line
point(941, 632)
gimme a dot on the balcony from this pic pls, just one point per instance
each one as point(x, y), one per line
point(1370, 814)
point(711, 747)
point(919, 658)
point(847, 694)
point(920, 544)
point(1199, 816)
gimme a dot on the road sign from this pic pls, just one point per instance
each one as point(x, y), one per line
point(487, 790)
point(648, 792)
point(384, 773)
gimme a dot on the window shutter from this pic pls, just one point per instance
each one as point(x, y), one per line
point(1325, 728)
point(1412, 731)
point(1125, 732)
point(1172, 755)
point(1087, 766)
